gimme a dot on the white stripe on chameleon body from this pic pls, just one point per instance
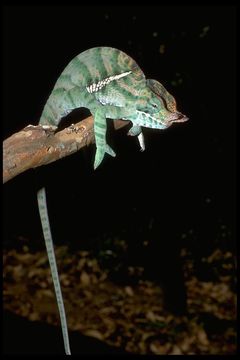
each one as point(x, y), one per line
point(98, 86)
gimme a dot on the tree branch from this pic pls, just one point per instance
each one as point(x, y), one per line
point(34, 146)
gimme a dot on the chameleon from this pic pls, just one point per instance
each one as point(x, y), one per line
point(111, 85)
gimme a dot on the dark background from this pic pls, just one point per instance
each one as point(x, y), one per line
point(181, 190)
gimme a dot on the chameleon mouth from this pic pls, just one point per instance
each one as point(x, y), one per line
point(178, 118)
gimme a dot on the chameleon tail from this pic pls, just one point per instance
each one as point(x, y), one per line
point(42, 205)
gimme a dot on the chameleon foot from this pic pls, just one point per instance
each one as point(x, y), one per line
point(135, 130)
point(100, 154)
point(141, 141)
point(109, 150)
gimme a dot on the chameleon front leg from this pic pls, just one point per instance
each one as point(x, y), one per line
point(100, 128)
point(137, 131)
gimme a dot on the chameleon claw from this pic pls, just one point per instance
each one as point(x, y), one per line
point(141, 141)
point(109, 150)
point(97, 161)
point(95, 165)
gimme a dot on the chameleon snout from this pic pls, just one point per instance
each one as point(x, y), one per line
point(177, 117)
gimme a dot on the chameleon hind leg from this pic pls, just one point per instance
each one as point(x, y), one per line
point(100, 128)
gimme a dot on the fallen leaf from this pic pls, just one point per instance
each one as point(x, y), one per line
point(176, 351)
point(94, 333)
point(85, 279)
point(129, 291)
point(202, 337)
point(159, 349)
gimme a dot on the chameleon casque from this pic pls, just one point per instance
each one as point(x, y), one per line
point(111, 85)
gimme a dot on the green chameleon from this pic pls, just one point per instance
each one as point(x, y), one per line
point(111, 85)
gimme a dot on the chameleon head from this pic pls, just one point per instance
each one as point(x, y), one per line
point(157, 108)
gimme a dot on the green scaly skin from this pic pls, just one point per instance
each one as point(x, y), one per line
point(111, 85)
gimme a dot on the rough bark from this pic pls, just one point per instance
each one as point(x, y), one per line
point(34, 146)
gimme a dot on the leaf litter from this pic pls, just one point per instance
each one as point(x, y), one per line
point(129, 316)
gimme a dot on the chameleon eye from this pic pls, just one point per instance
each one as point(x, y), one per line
point(154, 105)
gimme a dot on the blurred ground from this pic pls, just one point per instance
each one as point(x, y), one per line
point(131, 317)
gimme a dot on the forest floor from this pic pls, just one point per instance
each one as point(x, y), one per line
point(126, 316)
